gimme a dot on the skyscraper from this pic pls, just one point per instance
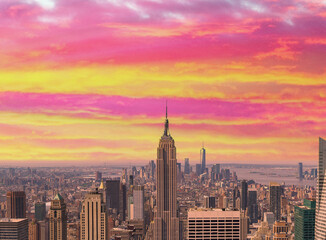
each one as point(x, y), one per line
point(93, 221)
point(300, 171)
point(112, 194)
point(58, 219)
point(320, 230)
point(235, 196)
point(123, 201)
point(16, 204)
point(198, 169)
point(244, 194)
point(304, 218)
point(216, 169)
point(275, 199)
point(203, 159)
point(166, 221)
point(138, 202)
point(252, 205)
point(187, 166)
point(40, 211)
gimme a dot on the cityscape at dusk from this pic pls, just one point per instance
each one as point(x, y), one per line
point(162, 120)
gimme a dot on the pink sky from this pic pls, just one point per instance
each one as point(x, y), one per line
point(86, 81)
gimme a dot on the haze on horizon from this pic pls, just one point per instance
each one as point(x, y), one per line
point(245, 77)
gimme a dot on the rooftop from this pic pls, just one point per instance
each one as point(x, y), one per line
point(12, 219)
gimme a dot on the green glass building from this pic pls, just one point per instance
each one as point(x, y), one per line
point(304, 217)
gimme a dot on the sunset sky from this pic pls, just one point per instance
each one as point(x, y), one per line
point(85, 81)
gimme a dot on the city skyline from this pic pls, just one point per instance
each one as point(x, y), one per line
point(245, 77)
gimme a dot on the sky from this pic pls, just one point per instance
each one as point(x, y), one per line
point(85, 82)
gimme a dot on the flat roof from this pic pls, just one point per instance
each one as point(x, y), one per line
point(212, 213)
point(12, 219)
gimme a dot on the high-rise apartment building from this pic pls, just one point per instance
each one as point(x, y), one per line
point(58, 219)
point(40, 211)
point(320, 229)
point(203, 159)
point(304, 220)
point(209, 224)
point(275, 192)
point(166, 221)
point(93, 218)
point(14, 228)
point(138, 202)
point(244, 194)
point(16, 204)
point(187, 166)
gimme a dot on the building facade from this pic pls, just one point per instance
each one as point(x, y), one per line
point(93, 218)
point(244, 195)
point(320, 227)
point(14, 228)
point(166, 221)
point(16, 204)
point(40, 211)
point(112, 192)
point(208, 224)
point(138, 202)
point(304, 217)
point(275, 192)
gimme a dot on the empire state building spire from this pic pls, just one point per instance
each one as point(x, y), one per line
point(166, 127)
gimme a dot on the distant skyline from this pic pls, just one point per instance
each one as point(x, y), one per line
point(83, 82)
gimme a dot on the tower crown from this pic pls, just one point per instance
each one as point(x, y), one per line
point(166, 126)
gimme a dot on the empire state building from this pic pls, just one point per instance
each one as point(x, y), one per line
point(166, 221)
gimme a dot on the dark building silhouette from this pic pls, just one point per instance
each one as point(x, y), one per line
point(300, 171)
point(203, 159)
point(16, 204)
point(187, 166)
point(40, 211)
point(113, 194)
point(123, 201)
point(252, 205)
point(244, 195)
point(198, 169)
point(275, 199)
